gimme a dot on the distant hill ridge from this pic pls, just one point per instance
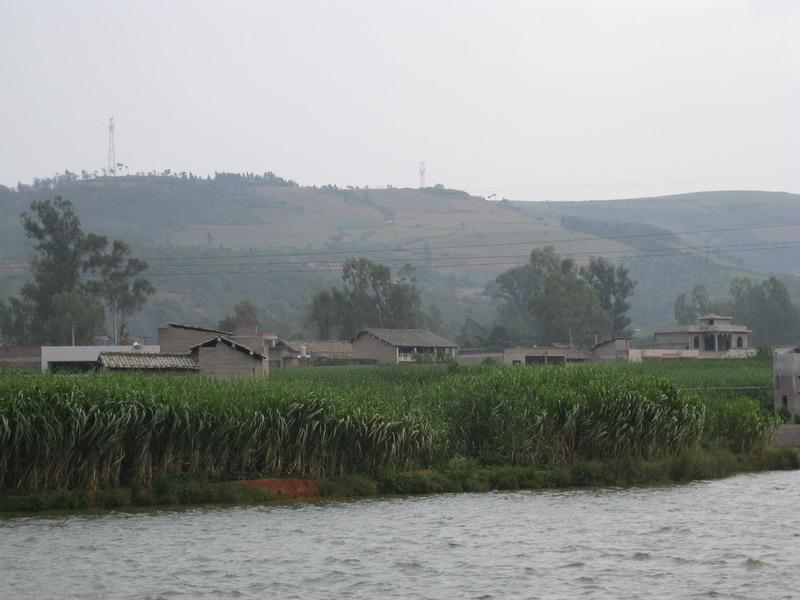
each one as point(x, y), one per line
point(465, 239)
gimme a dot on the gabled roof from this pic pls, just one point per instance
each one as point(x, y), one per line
point(148, 361)
point(420, 338)
point(194, 328)
point(223, 340)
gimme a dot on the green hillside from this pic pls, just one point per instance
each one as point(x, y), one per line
point(212, 242)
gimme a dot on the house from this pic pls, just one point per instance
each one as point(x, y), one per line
point(217, 357)
point(148, 362)
point(395, 346)
point(222, 357)
point(713, 336)
point(83, 358)
point(786, 373)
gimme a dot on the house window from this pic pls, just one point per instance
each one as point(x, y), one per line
point(785, 401)
point(711, 321)
point(739, 342)
point(696, 342)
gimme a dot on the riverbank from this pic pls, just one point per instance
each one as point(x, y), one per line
point(458, 475)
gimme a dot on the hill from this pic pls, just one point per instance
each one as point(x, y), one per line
point(211, 242)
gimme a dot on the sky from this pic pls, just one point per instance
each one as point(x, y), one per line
point(529, 100)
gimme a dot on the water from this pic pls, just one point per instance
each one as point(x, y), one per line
point(735, 538)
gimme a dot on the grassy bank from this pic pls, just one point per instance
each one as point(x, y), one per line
point(97, 432)
point(459, 475)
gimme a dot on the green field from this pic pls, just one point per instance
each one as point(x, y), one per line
point(96, 431)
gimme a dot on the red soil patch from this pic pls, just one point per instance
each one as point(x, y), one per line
point(298, 489)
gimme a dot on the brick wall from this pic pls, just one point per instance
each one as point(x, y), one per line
point(28, 358)
point(368, 347)
point(222, 361)
point(177, 339)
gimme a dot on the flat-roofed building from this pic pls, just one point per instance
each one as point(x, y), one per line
point(713, 336)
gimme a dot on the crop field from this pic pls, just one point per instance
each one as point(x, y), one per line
point(96, 431)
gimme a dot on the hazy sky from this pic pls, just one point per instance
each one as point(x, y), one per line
point(529, 100)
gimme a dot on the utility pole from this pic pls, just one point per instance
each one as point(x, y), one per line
point(73, 333)
point(112, 154)
point(421, 175)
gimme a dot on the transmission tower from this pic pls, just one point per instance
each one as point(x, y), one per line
point(112, 154)
point(422, 175)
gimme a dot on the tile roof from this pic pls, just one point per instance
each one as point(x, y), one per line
point(322, 348)
point(148, 361)
point(421, 338)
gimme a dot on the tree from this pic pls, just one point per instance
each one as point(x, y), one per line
point(517, 286)
point(56, 300)
point(613, 286)
point(76, 318)
point(566, 307)
point(61, 249)
point(369, 298)
point(687, 312)
point(118, 285)
point(245, 316)
point(767, 309)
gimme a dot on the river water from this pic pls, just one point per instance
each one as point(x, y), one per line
point(734, 538)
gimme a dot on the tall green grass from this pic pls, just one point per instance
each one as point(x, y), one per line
point(98, 431)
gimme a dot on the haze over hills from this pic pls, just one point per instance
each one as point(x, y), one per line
point(212, 242)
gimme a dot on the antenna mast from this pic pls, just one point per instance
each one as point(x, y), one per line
point(112, 154)
point(422, 175)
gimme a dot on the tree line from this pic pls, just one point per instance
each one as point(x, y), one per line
point(76, 277)
point(550, 299)
point(765, 307)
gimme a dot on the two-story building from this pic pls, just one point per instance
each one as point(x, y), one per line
point(713, 336)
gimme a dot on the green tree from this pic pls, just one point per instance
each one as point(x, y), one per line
point(613, 286)
point(566, 308)
point(369, 297)
point(516, 287)
point(118, 285)
point(767, 309)
point(687, 312)
point(245, 316)
point(75, 318)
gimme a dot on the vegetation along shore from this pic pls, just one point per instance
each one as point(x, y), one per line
point(74, 441)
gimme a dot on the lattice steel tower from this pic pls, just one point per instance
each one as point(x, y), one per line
point(112, 154)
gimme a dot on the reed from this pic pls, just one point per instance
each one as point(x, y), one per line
point(100, 431)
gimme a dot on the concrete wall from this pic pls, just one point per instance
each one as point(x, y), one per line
point(673, 341)
point(177, 339)
point(222, 361)
point(21, 357)
point(477, 357)
point(638, 355)
point(519, 356)
point(369, 347)
point(786, 373)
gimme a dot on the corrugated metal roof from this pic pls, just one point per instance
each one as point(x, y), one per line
point(146, 361)
point(419, 338)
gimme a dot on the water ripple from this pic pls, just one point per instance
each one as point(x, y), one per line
point(735, 538)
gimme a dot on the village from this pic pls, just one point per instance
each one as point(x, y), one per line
point(247, 352)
